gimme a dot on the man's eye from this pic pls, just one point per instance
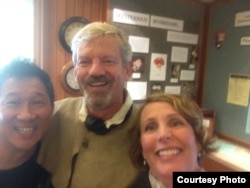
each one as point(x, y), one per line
point(38, 102)
point(109, 62)
point(13, 103)
point(84, 63)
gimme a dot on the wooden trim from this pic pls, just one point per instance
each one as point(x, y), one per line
point(107, 14)
point(203, 52)
point(233, 139)
point(210, 164)
point(38, 34)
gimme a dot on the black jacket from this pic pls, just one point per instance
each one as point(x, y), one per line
point(142, 180)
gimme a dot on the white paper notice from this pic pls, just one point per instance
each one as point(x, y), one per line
point(139, 44)
point(179, 54)
point(242, 19)
point(173, 89)
point(129, 17)
point(173, 80)
point(158, 66)
point(137, 90)
point(166, 23)
point(245, 41)
point(136, 75)
point(181, 37)
point(238, 89)
point(187, 75)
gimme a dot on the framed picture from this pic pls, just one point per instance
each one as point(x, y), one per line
point(209, 121)
point(175, 71)
point(156, 87)
point(138, 62)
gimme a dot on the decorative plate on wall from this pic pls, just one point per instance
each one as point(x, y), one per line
point(68, 30)
point(67, 79)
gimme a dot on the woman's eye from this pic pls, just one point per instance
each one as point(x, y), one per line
point(176, 123)
point(150, 127)
point(108, 62)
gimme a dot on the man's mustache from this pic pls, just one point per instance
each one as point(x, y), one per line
point(98, 79)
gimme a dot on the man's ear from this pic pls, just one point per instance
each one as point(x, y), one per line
point(128, 70)
point(75, 74)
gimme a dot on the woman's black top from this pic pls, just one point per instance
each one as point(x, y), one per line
point(142, 180)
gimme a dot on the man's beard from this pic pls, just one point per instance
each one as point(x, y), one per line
point(98, 100)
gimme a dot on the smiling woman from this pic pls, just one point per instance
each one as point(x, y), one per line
point(168, 137)
point(16, 34)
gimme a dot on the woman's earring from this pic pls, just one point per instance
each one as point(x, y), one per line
point(144, 162)
point(199, 155)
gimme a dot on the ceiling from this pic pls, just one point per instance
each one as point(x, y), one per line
point(214, 1)
point(206, 1)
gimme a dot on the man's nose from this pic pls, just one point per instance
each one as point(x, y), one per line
point(26, 112)
point(97, 68)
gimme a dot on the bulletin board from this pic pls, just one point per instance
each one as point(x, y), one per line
point(165, 45)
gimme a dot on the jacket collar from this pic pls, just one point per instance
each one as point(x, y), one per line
point(117, 118)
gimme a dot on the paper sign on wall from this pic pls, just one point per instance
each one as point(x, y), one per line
point(242, 19)
point(139, 44)
point(238, 89)
point(166, 23)
point(181, 37)
point(129, 17)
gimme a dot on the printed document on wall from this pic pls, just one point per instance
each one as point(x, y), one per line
point(248, 121)
point(238, 89)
